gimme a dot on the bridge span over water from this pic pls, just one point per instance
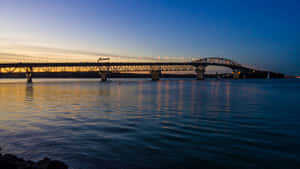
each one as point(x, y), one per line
point(104, 68)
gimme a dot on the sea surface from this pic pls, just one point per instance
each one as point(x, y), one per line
point(138, 123)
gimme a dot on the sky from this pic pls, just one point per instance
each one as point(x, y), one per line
point(263, 33)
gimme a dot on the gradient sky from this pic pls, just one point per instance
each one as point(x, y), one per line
point(260, 32)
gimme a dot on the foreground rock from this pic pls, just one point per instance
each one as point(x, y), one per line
point(9, 161)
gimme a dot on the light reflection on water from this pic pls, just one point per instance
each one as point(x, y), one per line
point(137, 123)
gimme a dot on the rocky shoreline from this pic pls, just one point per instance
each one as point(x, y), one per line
point(9, 161)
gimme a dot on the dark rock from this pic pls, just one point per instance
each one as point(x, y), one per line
point(9, 161)
point(46, 163)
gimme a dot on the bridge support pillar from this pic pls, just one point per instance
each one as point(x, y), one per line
point(28, 74)
point(103, 75)
point(200, 72)
point(236, 74)
point(155, 74)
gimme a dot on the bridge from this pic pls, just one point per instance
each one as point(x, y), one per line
point(104, 68)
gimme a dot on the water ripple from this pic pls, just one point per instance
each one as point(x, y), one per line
point(144, 124)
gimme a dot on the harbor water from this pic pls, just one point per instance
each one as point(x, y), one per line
point(138, 123)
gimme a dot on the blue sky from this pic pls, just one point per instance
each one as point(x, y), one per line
point(264, 33)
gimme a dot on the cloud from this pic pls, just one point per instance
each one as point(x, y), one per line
point(42, 53)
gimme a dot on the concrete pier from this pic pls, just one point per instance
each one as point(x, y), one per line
point(103, 75)
point(28, 74)
point(155, 74)
point(236, 74)
point(200, 70)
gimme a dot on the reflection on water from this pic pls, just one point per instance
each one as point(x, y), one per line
point(143, 124)
point(29, 94)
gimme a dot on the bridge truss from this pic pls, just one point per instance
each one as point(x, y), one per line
point(106, 67)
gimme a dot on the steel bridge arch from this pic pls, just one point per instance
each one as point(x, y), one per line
point(217, 60)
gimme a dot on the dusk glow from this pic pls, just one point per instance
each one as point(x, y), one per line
point(261, 33)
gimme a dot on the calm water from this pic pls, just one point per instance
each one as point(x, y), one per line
point(134, 123)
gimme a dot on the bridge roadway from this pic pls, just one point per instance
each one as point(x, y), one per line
point(155, 68)
point(89, 64)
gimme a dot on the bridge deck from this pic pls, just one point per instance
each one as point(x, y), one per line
point(89, 64)
point(71, 64)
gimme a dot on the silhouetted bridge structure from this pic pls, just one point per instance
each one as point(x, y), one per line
point(155, 68)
